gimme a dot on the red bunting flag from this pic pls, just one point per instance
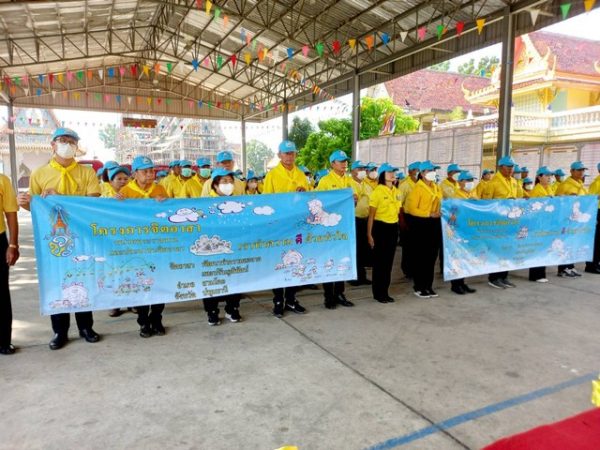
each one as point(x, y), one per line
point(460, 26)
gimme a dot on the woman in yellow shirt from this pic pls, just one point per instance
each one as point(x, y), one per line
point(251, 183)
point(382, 231)
point(543, 188)
point(422, 209)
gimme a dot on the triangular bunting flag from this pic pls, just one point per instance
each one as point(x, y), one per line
point(157, 68)
point(199, 4)
point(247, 58)
point(403, 35)
point(460, 26)
point(320, 48)
point(80, 75)
point(53, 94)
point(146, 70)
point(385, 38)
point(225, 21)
point(101, 74)
point(121, 71)
point(337, 46)
point(129, 100)
point(50, 79)
point(421, 33)
point(441, 29)
point(352, 43)
point(369, 40)
point(233, 60)
point(305, 50)
point(564, 9)
point(111, 73)
point(217, 13)
point(588, 5)
point(480, 25)
point(219, 62)
point(208, 6)
point(290, 53)
point(169, 67)
point(534, 13)
point(243, 35)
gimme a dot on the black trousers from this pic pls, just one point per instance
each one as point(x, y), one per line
point(497, 276)
point(288, 294)
point(231, 302)
point(385, 236)
point(61, 322)
point(426, 235)
point(364, 255)
point(150, 314)
point(457, 283)
point(332, 290)
point(537, 273)
point(596, 261)
point(407, 248)
point(565, 267)
point(5, 305)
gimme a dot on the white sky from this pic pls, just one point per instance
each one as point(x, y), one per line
point(87, 124)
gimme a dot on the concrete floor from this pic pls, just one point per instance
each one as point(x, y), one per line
point(372, 376)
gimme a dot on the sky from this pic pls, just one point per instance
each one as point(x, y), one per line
point(584, 25)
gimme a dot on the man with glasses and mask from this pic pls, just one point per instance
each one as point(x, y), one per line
point(63, 176)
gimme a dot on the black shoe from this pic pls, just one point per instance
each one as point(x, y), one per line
point(278, 309)
point(381, 299)
point(295, 307)
point(390, 299)
point(115, 312)
point(468, 289)
point(89, 335)
point(233, 315)
point(213, 318)
point(460, 290)
point(422, 294)
point(58, 341)
point(158, 329)
point(506, 283)
point(592, 269)
point(365, 282)
point(7, 350)
point(432, 293)
point(146, 331)
point(354, 283)
point(330, 304)
point(342, 300)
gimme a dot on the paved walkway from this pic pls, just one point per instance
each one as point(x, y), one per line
point(456, 372)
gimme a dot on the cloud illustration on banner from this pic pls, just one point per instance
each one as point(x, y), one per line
point(184, 215)
point(231, 207)
point(318, 216)
point(549, 208)
point(264, 211)
point(578, 216)
point(214, 245)
point(537, 206)
point(161, 215)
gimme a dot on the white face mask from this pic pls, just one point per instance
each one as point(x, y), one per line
point(528, 187)
point(361, 174)
point(455, 176)
point(469, 185)
point(66, 150)
point(226, 188)
point(373, 175)
point(431, 176)
point(563, 179)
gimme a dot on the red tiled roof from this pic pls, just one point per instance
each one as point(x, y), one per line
point(430, 89)
point(573, 54)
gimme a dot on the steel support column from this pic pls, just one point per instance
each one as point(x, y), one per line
point(355, 114)
point(12, 147)
point(284, 118)
point(506, 82)
point(244, 150)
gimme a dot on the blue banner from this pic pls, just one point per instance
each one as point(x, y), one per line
point(102, 253)
point(488, 236)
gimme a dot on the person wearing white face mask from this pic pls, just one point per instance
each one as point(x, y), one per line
point(404, 220)
point(63, 176)
point(542, 189)
point(559, 177)
point(251, 183)
point(465, 191)
point(361, 213)
point(450, 184)
point(527, 187)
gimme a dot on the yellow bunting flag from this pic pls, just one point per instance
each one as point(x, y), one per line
point(146, 69)
point(480, 25)
point(588, 4)
point(352, 43)
point(208, 6)
point(247, 58)
point(76, 95)
point(149, 100)
point(60, 77)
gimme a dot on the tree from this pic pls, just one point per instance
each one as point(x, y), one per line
point(373, 112)
point(483, 68)
point(108, 135)
point(258, 155)
point(301, 129)
point(333, 134)
point(441, 67)
point(457, 113)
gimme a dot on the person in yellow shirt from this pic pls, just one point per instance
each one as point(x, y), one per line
point(542, 188)
point(382, 231)
point(486, 176)
point(309, 176)
point(251, 183)
point(142, 186)
point(524, 173)
point(559, 177)
point(464, 191)
point(63, 176)
point(160, 175)
point(105, 187)
point(9, 249)
point(361, 215)
point(527, 185)
point(407, 246)
point(423, 206)
point(286, 177)
point(337, 178)
point(573, 185)
point(593, 266)
point(175, 187)
point(173, 176)
point(192, 188)
point(450, 184)
point(502, 185)
point(225, 161)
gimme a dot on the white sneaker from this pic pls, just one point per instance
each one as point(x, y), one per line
point(574, 272)
point(542, 280)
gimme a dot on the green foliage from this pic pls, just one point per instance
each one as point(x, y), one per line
point(441, 67)
point(108, 135)
point(483, 67)
point(301, 129)
point(457, 113)
point(333, 134)
point(258, 155)
point(372, 116)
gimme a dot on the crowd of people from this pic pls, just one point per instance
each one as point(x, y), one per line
point(390, 208)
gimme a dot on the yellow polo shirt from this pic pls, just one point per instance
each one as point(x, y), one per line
point(541, 191)
point(464, 195)
point(47, 177)
point(333, 181)
point(405, 188)
point(174, 187)
point(361, 210)
point(571, 187)
point(423, 200)
point(132, 190)
point(107, 191)
point(192, 188)
point(8, 201)
point(282, 180)
point(385, 200)
point(481, 187)
point(448, 188)
point(594, 188)
point(501, 187)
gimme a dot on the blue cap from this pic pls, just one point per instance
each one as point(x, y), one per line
point(524, 169)
point(185, 162)
point(400, 175)
point(338, 155)
point(517, 169)
point(544, 171)
point(203, 162)
point(64, 132)
point(223, 156)
point(161, 173)
point(506, 161)
point(598, 167)
point(359, 165)
point(385, 167)
point(251, 175)
point(174, 163)
point(115, 170)
point(141, 162)
point(466, 175)
point(578, 165)
point(371, 166)
point(560, 172)
point(304, 169)
point(454, 168)
point(428, 165)
point(321, 173)
point(527, 180)
point(287, 147)
point(486, 171)
point(100, 171)
point(414, 165)
point(221, 172)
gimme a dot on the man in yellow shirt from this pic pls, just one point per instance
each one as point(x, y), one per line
point(450, 184)
point(573, 185)
point(63, 176)
point(361, 213)
point(559, 177)
point(502, 185)
point(173, 176)
point(337, 178)
point(594, 265)
point(286, 177)
point(192, 188)
point(9, 253)
point(225, 160)
point(486, 176)
point(404, 189)
point(175, 187)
